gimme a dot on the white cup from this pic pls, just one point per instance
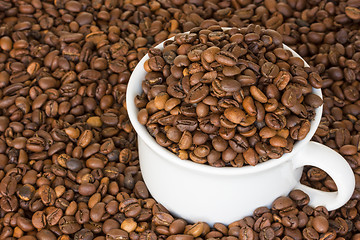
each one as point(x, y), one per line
point(198, 192)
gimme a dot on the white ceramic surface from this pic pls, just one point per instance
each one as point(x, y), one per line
point(199, 192)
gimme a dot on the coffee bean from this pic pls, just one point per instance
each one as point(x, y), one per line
point(251, 157)
point(9, 204)
point(249, 106)
point(6, 43)
point(47, 195)
point(4, 123)
point(348, 150)
point(26, 192)
point(141, 190)
point(235, 115)
point(352, 12)
point(196, 229)
point(290, 97)
point(39, 220)
point(299, 197)
point(185, 141)
point(68, 225)
point(278, 141)
point(246, 233)
point(225, 58)
point(320, 224)
point(250, 37)
point(270, 70)
point(229, 85)
point(130, 207)
point(310, 233)
point(231, 71)
point(275, 121)
point(82, 216)
point(315, 80)
point(282, 54)
point(53, 215)
point(209, 54)
point(156, 63)
point(25, 224)
point(85, 138)
point(258, 94)
point(282, 80)
point(74, 164)
point(186, 124)
point(313, 100)
point(197, 93)
point(177, 226)
point(45, 234)
point(85, 234)
point(282, 203)
point(8, 186)
point(87, 189)
point(117, 234)
point(97, 212)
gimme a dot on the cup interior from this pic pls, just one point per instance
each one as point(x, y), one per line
point(134, 88)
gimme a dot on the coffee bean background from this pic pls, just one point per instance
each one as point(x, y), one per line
point(68, 157)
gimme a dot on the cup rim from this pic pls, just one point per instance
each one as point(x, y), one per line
point(134, 84)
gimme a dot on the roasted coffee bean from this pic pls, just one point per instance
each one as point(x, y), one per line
point(258, 94)
point(270, 70)
point(313, 100)
point(310, 233)
point(114, 234)
point(8, 186)
point(26, 192)
point(282, 80)
point(53, 215)
point(225, 58)
point(235, 115)
point(275, 121)
point(352, 12)
point(209, 54)
point(84, 234)
point(282, 203)
point(82, 216)
point(87, 189)
point(156, 63)
point(299, 197)
point(68, 225)
point(247, 233)
point(290, 97)
point(39, 220)
point(251, 157)
point(320, 224)
point(24, 224)
point(230, 85)
point(47, 195)
point(315, 80)
point(46, 234)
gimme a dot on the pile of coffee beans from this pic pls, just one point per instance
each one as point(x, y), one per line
point(227, 98)
point(68, 157)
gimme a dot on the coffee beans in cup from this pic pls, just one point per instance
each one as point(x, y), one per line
point(227, 97)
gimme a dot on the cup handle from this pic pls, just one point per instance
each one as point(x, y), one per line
point(323, 157)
